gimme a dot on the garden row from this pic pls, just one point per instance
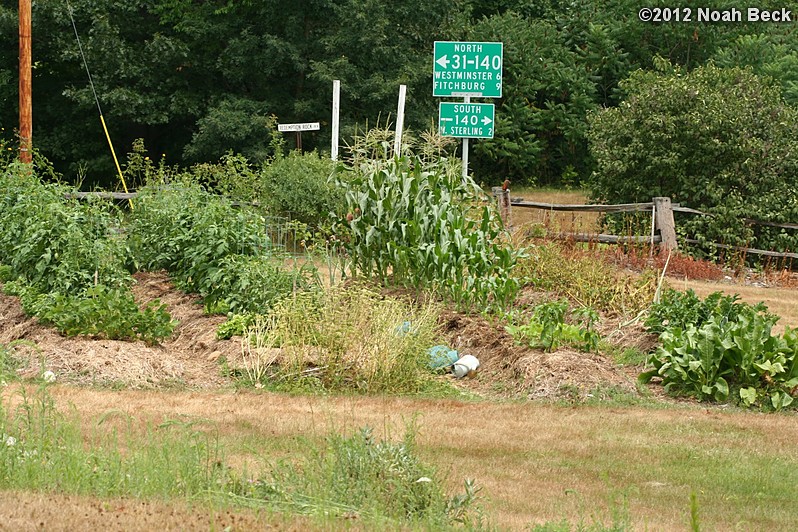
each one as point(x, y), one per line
point(411, 222)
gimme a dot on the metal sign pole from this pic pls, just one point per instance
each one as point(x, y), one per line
point(466, 99)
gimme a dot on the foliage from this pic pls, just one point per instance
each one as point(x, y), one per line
point(66, 261)
point(221, 252)
point(587, 278)
point(100, 312)
point(200, 79)
point(57, 244)
point(242, 283)
point(342, 339)
point(547, 328)
point(360, 474)
point(299, 186)
point(416, 224)
point(540, 120)
point(769, 54)
point(235, 123)
point(718, 140)
point(718, 346)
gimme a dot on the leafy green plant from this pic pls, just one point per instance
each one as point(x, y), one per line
point(66, 260)
point(547, 328)
point(241, 283)
point(713, 348)
point(101, 312)
point(210, 247)
point(419, 224)
point(57, 244)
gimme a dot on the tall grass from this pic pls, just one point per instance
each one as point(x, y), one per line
point(342, 339)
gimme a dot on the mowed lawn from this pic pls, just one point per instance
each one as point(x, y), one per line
point(536, 463)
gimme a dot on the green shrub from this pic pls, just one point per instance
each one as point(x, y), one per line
point(210, 247)
point(58, 244)
point(298, 186)
point(100, 312)
point(721, 140)
point(242, 283)
point(66, 260)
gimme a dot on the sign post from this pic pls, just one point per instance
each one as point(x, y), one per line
point(400, 121)
point(299, 128)
point(336, 110)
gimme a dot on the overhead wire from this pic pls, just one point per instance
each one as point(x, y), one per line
point(97, 101)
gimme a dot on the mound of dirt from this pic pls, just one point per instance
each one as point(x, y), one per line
point(189, 358)
point(512, 370)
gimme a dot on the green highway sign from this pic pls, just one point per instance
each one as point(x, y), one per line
point(467, 69)
point(466, 120)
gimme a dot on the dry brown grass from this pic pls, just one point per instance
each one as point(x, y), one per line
point(536, 463)
point(23, 512)
point(555, 221)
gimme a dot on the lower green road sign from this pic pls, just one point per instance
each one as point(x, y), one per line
point(466, 120)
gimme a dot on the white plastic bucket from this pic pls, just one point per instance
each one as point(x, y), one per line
point(465, 366)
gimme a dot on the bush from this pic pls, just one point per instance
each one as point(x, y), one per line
point(299, 186)
point(66, 260)
point(719, 140)
point(221, 252)
point(58, 245)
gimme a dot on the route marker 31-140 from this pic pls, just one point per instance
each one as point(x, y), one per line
point(467, 69)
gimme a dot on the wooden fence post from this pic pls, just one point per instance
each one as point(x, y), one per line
point(665, 223)
point(505, 207)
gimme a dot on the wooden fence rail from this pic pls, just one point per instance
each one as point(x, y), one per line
point(662, 216)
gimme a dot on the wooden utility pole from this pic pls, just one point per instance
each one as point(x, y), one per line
point(25, 84)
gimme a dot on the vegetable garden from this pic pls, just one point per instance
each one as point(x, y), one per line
point(321, 279)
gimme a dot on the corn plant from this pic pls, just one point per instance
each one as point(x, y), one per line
point(414, 223)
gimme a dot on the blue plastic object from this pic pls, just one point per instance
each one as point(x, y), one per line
point(442, 356)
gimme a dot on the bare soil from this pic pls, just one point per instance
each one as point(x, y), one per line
point(191, 357)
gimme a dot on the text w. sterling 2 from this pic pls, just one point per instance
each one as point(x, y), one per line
point(709, 15)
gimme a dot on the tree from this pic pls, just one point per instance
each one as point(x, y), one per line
point(541, 117)
point(715, 139)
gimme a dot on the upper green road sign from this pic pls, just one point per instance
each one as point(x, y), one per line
point(467, 69)
point(466, 120)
